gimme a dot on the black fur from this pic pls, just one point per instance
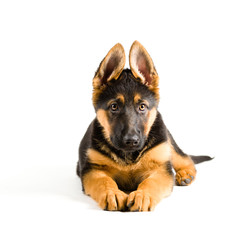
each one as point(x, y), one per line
point(168, 166)
point(176, 147)
point(200, 159)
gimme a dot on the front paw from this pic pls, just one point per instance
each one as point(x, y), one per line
point(112, 200)
point(140, 201)
point(185, 177)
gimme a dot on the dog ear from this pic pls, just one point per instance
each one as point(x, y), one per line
point(110, 67)
point(142, 65)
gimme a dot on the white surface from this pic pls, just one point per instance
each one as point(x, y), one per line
point(49, 51)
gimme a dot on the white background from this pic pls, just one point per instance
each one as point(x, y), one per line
point(49, 51)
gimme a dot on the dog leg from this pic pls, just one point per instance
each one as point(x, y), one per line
point(104, 190)
point(151, 191)
point(185, 169)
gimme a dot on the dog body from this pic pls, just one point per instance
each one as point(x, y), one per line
point(127, 154)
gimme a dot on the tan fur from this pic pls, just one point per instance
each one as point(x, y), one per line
point(184, 167)
point(96, 93)
point(137, 98)
point(149, 172)
point(121, 98)
point(159, 154)
point(103, 120)
point(151, 118)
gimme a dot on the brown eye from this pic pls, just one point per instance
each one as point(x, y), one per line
point(114, 107)
point(142, 107)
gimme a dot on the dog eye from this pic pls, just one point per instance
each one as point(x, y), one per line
point(114, 107)
point(142, 107)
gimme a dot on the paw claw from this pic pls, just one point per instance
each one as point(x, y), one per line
point(185, 177)
point(130, 204)
point(187, 181)
point(183, 183)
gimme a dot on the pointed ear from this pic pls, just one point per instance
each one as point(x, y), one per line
point(110, 67)
point(142, 65)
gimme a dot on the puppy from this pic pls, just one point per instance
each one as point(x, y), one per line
point(127, 155)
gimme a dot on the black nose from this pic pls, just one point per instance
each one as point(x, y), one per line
point(131, 140)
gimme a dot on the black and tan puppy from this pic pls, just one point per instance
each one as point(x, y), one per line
point(127, 154)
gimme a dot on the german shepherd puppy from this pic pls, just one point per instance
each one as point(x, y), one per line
point(127, 155)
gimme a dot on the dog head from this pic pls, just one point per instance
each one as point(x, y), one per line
point(126, 100)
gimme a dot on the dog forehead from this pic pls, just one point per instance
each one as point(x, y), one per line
point(129, 89)
point(130, 99)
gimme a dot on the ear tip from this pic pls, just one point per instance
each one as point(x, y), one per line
point(136, 43)
point(119, 48)
point(136, 47)
point(119, 45)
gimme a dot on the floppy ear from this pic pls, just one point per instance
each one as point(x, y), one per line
point(142, 65)
point(110, 67)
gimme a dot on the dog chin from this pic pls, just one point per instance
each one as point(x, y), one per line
point(129, 149)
